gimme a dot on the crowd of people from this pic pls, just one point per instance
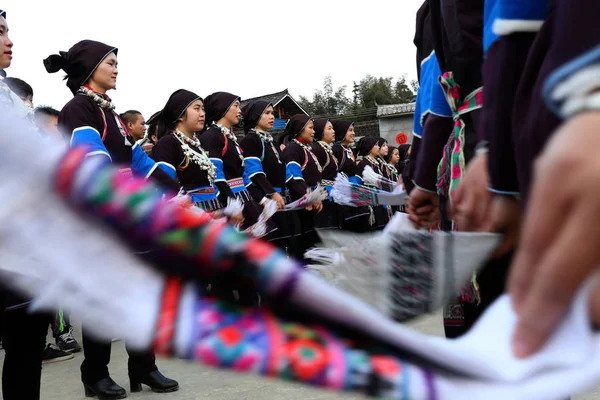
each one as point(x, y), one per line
point(190, 146)
point(470, 168)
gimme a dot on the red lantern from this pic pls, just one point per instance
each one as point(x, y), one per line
point(402, 138)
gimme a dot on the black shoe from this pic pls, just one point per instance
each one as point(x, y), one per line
point(157, 382)
point(105, 389)
point(54, 354)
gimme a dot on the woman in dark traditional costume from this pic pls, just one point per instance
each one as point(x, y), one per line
point(355, 219)
point(391, 164)
point(223, 112)
point(179, 148)
point(384, 151)
point(330, 217)
point(304, 172)
point(392, 160)
point(91, 121)
point(368, 148)
point(404, 151)
point(266, 171)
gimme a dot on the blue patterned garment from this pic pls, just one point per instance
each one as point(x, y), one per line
point(504, 17)
point(430, 97)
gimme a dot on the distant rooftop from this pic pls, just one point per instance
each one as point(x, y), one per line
point(282, 99)
point(391, 110)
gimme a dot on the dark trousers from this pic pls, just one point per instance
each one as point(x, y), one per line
point(97, 356)
point(24, 339)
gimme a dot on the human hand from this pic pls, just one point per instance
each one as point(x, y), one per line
point(279, 200)
point(424, 208)
point(472, 199)
point(559, 247)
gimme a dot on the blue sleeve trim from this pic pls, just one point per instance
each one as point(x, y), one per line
point(168, 168)
point(220, 172)
point(90, 137)
point(564, 72)
point(355, 179)
point(288, 174)
point(294, 170)
point(141, 164)
point(430, 97)
point(504, 17)
point(417, 128)
point(503, 192)
point(253, 166)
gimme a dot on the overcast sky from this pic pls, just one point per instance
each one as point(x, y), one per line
point(247, 47)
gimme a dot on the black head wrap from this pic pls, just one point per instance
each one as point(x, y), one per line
point(253, 112)
point(341, 128)
point(403, 150)
point(320, 127)
point(167, 118)
point(179, 101)
point(79, 62)
point(295, 126)
point(381, 141)
point(366, 144)
point(217, 105)
point(154, 118)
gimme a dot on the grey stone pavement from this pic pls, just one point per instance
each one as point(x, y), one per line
point(60, 381)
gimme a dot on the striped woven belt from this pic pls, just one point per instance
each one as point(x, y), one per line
point(236, 183)
point(126, 172)
point(325, 182)
point(208, 190)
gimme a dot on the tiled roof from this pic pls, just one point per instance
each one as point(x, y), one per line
point(272, 98)
point(283, 99)
point(395, 109)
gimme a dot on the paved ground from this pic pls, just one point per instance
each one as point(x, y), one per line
point(60, 381)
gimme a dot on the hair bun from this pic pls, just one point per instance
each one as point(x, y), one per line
point(54, 63)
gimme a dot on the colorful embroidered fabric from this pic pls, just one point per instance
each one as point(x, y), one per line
point(257, 341)
point(228, 336)
point(347, 192)
point(452, 166)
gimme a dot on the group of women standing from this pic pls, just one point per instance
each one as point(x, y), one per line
point(196, 142)
point(197, 153)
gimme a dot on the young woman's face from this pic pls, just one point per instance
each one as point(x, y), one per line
point(5, 45)
point(267, 120)
point(328, 133)
point(375, 151)
point(308, 133)
point(395, 159)
point(349, 138)
point(105, 76)
point(194, 117)
point(384, 150)
point(234, 114)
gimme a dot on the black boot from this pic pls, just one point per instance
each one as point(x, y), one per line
point(155, 380)
point(105, 389)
